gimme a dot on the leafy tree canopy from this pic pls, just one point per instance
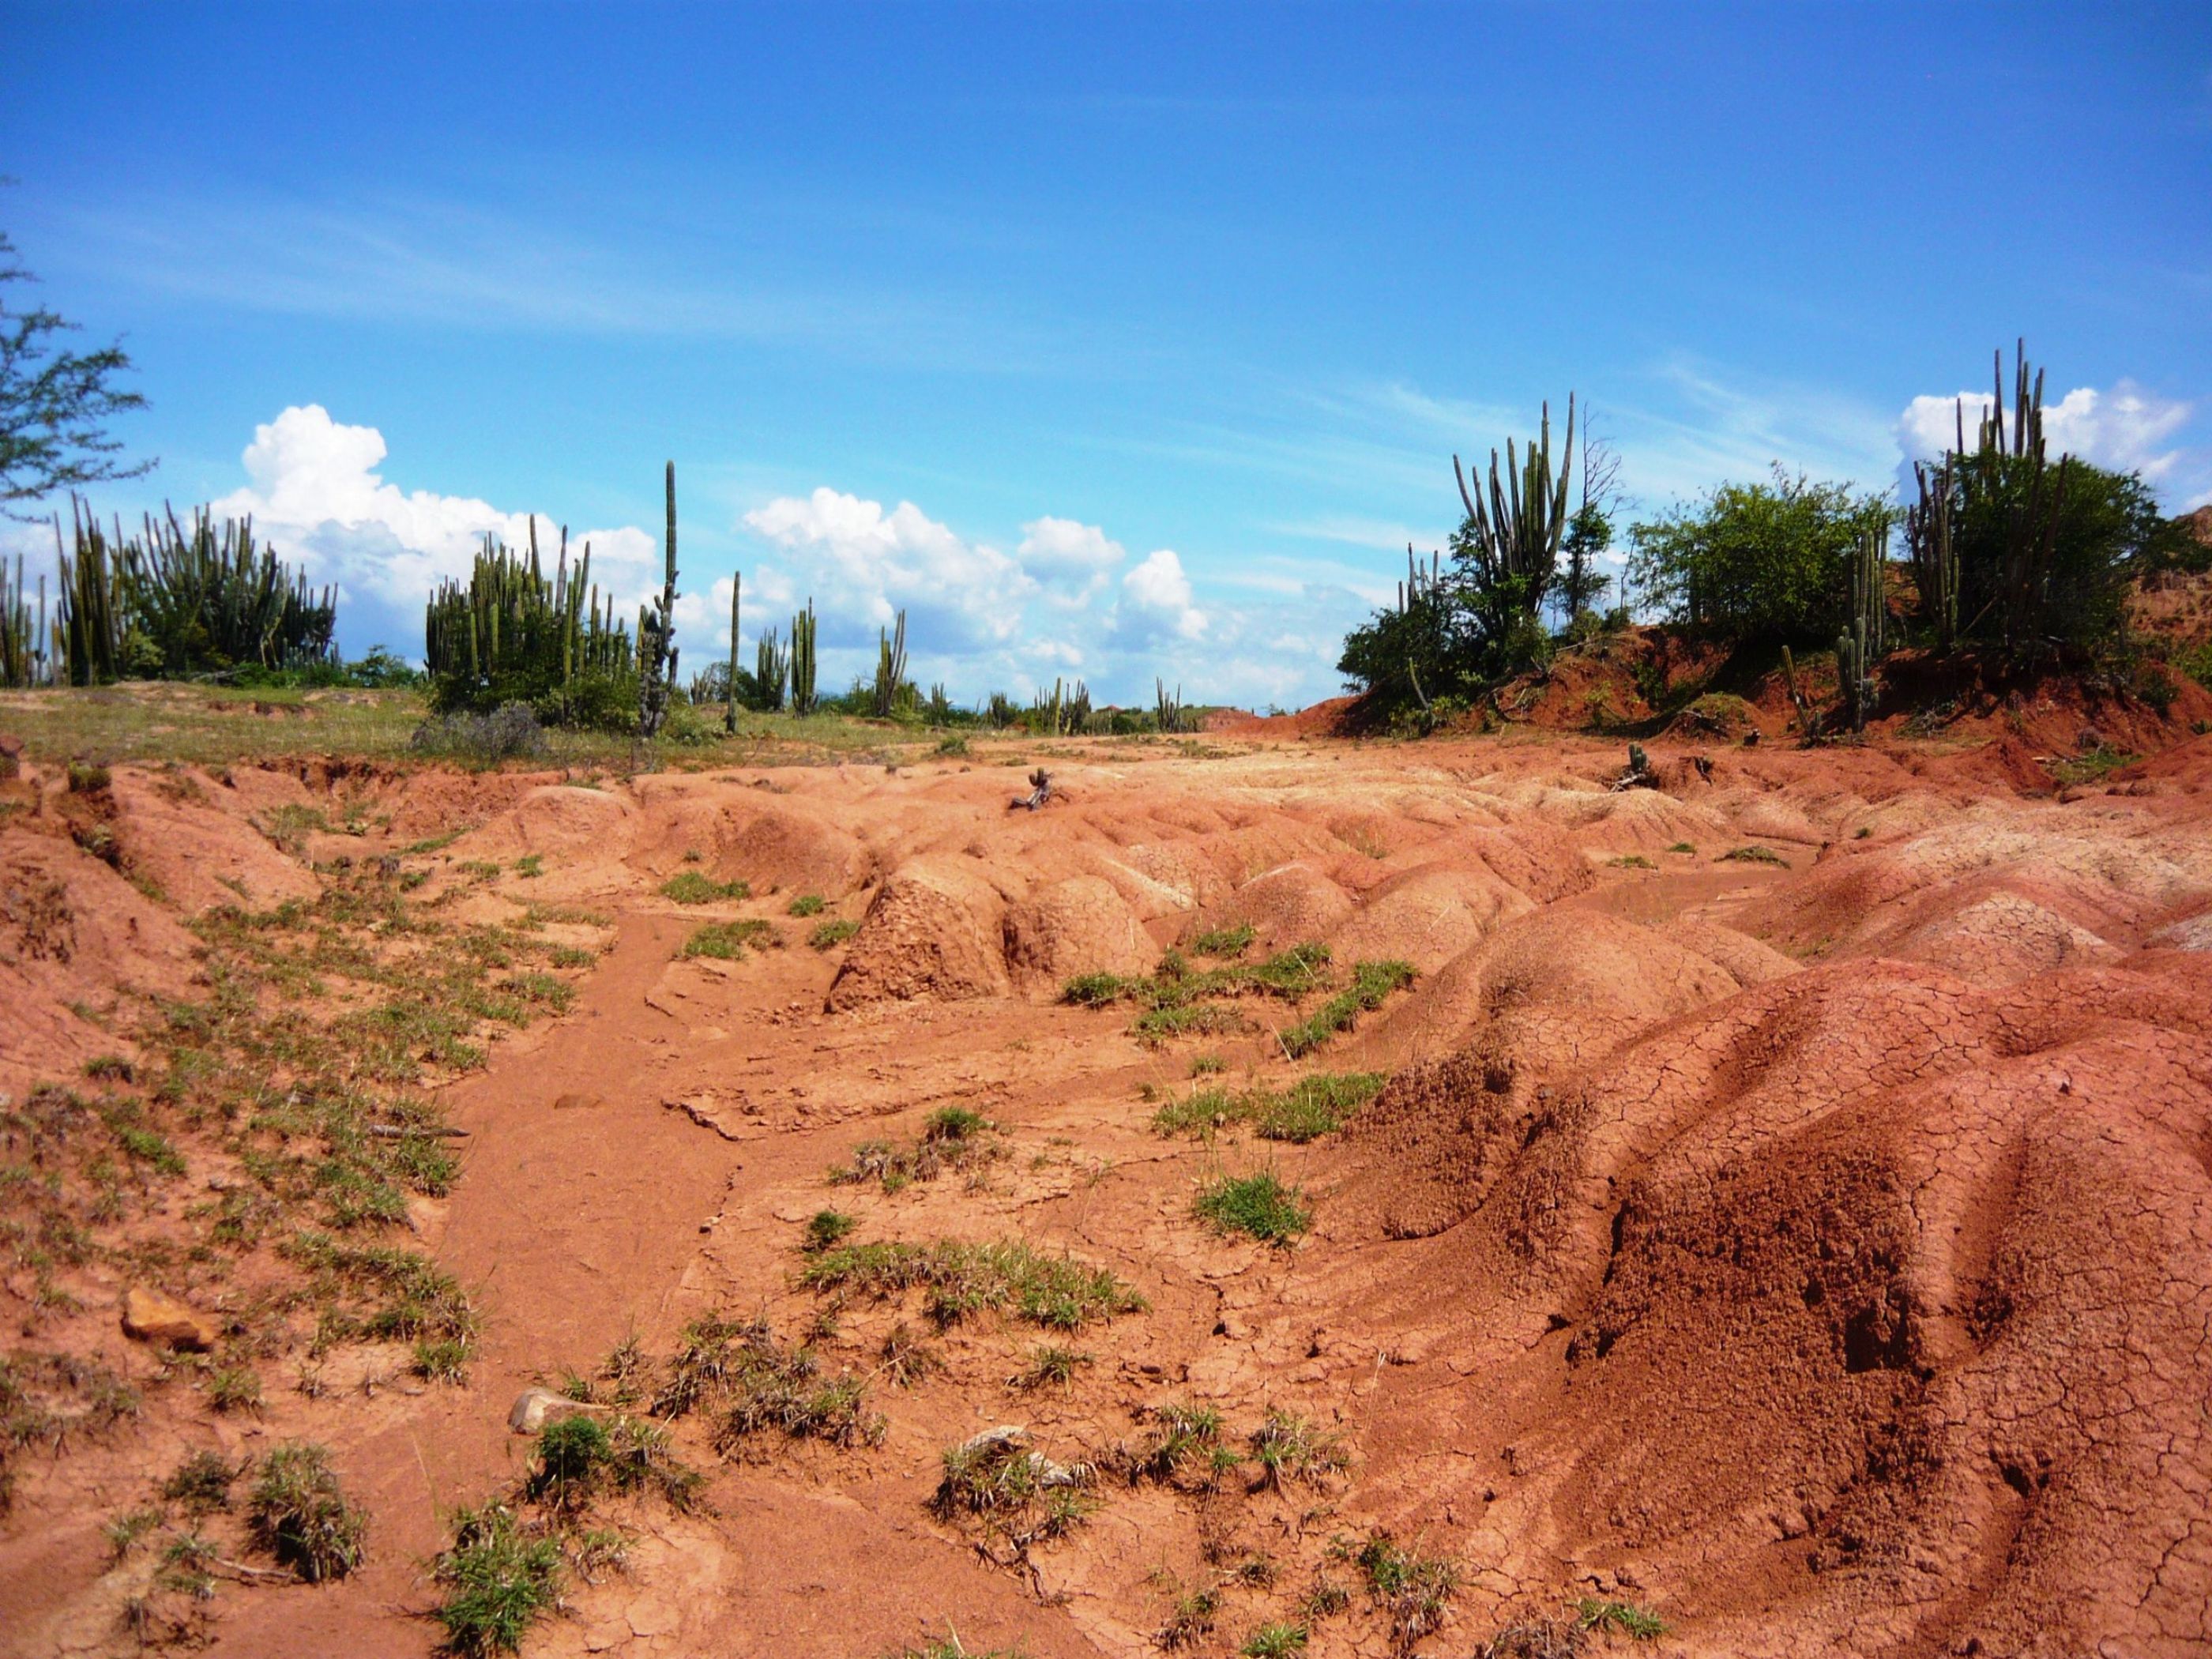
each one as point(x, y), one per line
point(54, 403)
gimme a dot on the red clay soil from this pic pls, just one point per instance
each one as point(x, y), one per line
point(1811, 1246)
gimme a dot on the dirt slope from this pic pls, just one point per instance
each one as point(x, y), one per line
point(1812, 1247)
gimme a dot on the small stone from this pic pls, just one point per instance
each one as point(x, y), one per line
point(534, 1409)
point(150, 1317)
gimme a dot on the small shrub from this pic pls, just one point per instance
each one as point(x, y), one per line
point(1631, 861)
point(826, 1229)
point(89, 779)
point(498, 1580)
point(201, 1482)
point(1624, 1617)
point(725, 941)
point(509, 732)
point(830, 934)
point(690, 887)
point(806, 904)
point(124, 1532)
point(1753, 855)
point(299, 1514)
point(1258, 1205)
point(1190, 1617)
point(906, 1357)
point(102, 1067)
point(234, 1388)
point(1684, 847)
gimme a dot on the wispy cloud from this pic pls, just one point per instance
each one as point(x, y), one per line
point(425, 260)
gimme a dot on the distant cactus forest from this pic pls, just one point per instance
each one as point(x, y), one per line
point(2010, 555)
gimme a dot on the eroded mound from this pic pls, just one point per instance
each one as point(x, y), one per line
point(1390, 1193)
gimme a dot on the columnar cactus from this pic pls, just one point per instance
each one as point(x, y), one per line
point(730, 714)
point(656, 638)
point(802, 661)
point(1865, 644)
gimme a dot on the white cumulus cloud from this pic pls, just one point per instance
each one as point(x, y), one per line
point(863, 565)
point(1156, 601)
point(1074, 560)
point(316, 496)
point(2124, 429)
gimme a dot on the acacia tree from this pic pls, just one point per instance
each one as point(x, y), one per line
point(54, 404)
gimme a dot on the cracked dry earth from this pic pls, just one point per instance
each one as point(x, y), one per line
point(1817, 1254)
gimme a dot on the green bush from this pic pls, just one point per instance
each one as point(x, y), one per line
point(1259, 1205)
point(499, 1582)
point(1763, 563)
point(299, 1514)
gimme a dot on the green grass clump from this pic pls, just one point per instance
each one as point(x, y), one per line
point(831, 934)
point(806, 904)
point(1624, 1617)
point(1288, 1447)
point(690, 887)
point(1184, 1447)
point(1312, 1107)
point(725, 941)
point(1051, 1364)
point(1315, 1106)
point(578, 1457)
point(299, 1514)
point(499, 1582)
point(202, 1483)
point(1753, 855)
point(762, 1386)
point(1631, 861)
point(1274, 1641)
point(1009, 1277)
point(953, 1137)
point(1683, 847)
point(826, 1229)
point(1017, 1494)
point(1258, 1205)
point(1412, 1590)
point(1372, 982)
point(1224, 941)
point(2089, 767)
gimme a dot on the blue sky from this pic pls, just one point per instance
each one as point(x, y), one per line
point(1106, 340)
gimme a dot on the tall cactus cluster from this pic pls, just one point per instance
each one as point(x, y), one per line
point(509, 634)
point(802, 661)
point(890, 672)
point(1167, 708)
point(1864, 643)
point(1983, 535)
point(771, 668)
point(25, 660)
point(171, 601)
point(1512, 535)
point(1933, 552)
point(656, 638)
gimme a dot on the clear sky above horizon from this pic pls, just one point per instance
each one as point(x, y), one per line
point(1106, 340)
